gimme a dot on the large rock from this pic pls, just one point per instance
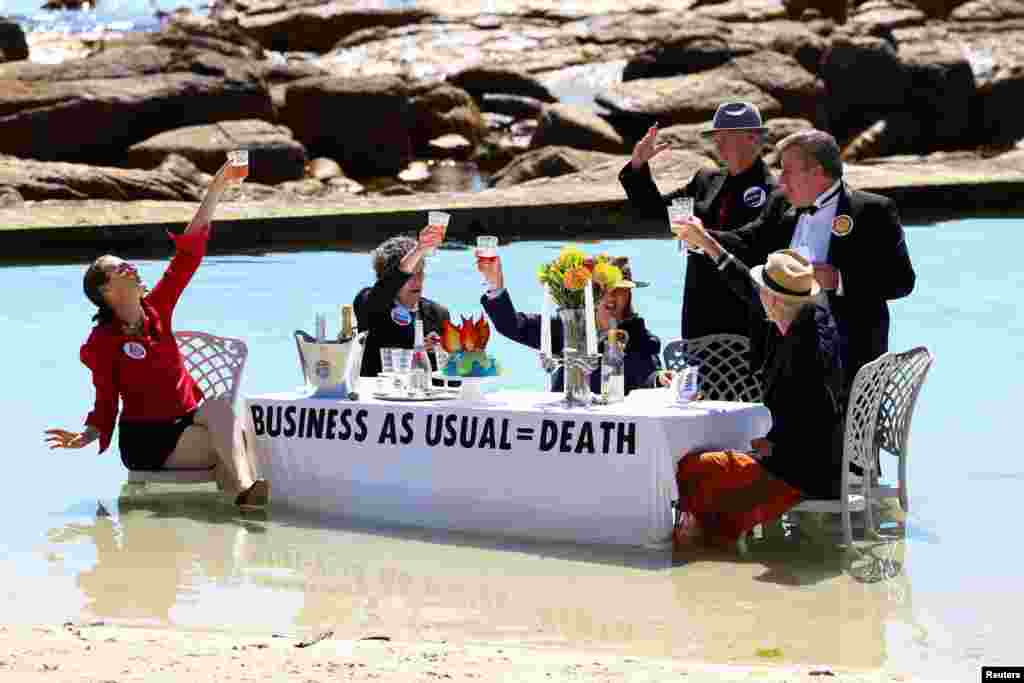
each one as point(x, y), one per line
point(96, 120)
point(571, 126)
point(274, 155)
point(13, 45)
point(480, 80)
point(878, 16)
point(783, 78)
point(285, 27)
point(685, 99)
point(865, 81)
point(364, 123)
point(701, 46)
point(36, 180)
point(548, 162)
point(512, 105)
point(442, 109)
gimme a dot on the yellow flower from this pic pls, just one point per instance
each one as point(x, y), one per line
point(576, 278)
point(606, 275)
point(570, 257)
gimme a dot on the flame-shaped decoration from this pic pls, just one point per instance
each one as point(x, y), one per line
point(468, 336)
point(483, 332)
point(450, 337)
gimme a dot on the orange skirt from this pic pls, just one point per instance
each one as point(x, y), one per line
point(702, 477)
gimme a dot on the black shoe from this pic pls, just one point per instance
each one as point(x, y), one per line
point(257, 495)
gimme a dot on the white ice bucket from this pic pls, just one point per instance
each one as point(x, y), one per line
point(331, 368)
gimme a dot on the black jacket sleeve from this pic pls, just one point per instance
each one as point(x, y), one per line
point(644, 197)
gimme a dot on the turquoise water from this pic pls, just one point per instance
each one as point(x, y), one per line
point(185, 558)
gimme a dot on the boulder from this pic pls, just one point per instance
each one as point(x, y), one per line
point(36, 180)
point(702, 46)
point(324, 169)
point(440, 109)
point(988, 11)
point(548, 162)
point(98, 119)
point(13, 46)
point(571, 126)
point(512, 105)
point(879, 16)
point(685, 99)
point(481, 80)
point(364, 123)
point(783, 78)
point(283, 27)
point(274, 155)
point(851, 62)
point(836, 10)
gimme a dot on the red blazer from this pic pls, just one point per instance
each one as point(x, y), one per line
point(147, 372)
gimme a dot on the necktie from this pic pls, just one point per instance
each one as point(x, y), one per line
point(723, 209)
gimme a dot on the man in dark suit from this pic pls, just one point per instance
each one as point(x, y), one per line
point(722, 199)
point(853, 238)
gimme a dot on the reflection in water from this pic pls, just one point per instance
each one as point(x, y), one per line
point(159, 553)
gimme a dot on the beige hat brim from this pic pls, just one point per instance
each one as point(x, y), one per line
point(623, 284)
point(757, 275)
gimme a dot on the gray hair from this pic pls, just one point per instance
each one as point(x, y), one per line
point(815, 146)
point(390, 253)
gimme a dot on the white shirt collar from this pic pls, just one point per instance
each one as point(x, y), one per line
point(832, 193)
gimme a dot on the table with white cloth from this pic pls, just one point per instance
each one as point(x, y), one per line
point(516, 463)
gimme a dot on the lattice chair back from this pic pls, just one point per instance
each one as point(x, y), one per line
point(862, 412)
point(215, 363)
point(903, 386)
point(899, 398)
point(724, 369)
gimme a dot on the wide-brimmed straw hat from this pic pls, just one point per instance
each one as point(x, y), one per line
point(787, 274)
point(736, 116)
point(622, 263)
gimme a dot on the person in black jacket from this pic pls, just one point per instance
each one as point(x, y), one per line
point(723, 199)
point(389, 308)
point(643, 349)
point(854, 240)
point(727, 493)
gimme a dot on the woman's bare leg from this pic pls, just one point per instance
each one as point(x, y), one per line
point(235, 470)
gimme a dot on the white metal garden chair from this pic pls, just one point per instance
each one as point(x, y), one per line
point(860, 446)
point(216, 365)
point(899, 398)
point(724, 369)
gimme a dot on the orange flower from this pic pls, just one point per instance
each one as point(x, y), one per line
point(576, 278)
point(450, 337)
point(468, 335)
point(483, 332)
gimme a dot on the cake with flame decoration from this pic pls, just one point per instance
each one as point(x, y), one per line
point(465, 345)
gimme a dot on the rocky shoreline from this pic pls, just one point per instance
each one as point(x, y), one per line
point(347, 111)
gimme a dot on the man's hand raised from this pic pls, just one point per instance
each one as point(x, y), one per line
point(648, 147)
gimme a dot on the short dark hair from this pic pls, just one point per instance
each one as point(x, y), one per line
point(95, 278)
point(815, 146)
point(390, 253)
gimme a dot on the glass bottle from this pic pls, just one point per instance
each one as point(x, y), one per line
point(347, 326)
point(420, 376)
point(613, 365)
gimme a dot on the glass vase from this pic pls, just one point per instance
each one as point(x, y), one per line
point(575, 366)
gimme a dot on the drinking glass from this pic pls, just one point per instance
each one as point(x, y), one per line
point(442, 360)
point(387, 363)
point(438, 219)
point(238, 168)
point(680, 211)
point(487, 249)
point(402, 359)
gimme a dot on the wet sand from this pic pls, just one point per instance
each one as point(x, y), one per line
point(74, 652)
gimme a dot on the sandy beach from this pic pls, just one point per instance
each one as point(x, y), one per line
point(99, 652)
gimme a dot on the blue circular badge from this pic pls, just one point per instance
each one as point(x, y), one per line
point(401, 315)
point(754, 197)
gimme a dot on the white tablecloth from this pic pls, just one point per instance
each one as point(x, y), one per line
point(517, 463)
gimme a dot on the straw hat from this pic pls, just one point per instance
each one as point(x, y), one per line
point(622, 263)
point(787, 274)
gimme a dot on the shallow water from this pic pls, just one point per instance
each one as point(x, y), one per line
point(74, 547)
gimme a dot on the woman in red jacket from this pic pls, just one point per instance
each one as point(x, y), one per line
point(134, 358)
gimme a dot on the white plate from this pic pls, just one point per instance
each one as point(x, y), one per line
point(433, 396)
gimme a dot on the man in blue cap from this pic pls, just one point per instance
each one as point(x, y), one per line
point(723, 200)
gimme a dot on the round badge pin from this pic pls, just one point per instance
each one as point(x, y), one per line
point(754, 196)
point(401, 315)
point(134, 350)
point(842, 226)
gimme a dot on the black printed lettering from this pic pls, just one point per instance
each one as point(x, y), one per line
point(407, 432)
point(432, 433)
point(387, 430)
point(361, 424)
point(289, 420)
point(271, 429)
point(332, 423)
point(315, 424)
point(564, 444)
point(257, 419)
point(450, 433)
point(586, 440)
point(548, 435)
point(467, 440)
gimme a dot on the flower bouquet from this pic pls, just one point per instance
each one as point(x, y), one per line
point(464, 346)
point(568, 274)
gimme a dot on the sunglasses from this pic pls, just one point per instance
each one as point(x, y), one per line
point(124, 270)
